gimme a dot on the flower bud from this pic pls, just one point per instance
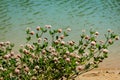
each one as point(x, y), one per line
point(79, 68)
point(53, 49)
point(105, 51)
point(8, 42)
point(26, 69)
point(67, 52)
point(18, 55)
point(93, 43)
point(17, 71)
point(38, 28)
point(39, 40)
point(62, 37)
point(29, 73)
point(33, 78)
point(100, 61)
point(12, 54)
point(56, 41)
point(109, 30)
point(110, 41)
point(87, 37)
point(91, 63)
point(72, 55)
point(64, 56)
point(59, 30)
point(71, 43)
point(45, 39)
point(77, 56)
point(54, 54)
point(48, 26)
point(36, 67)
point(1, 78)
point(96, 33)
point(101, 42)
point(1, 43)
point(83, 31)
point(77, 63)
point(68, 29)
point(6, 56)
point(43, 51)
point(117, 38)
point(35, 70)
point(32, 32)
point(17, 64)
point(1, 68)
point(33, 56)
point(62, 42)
point(67, 59)
point(21, 46)
point(25, 51)
point(55, 59)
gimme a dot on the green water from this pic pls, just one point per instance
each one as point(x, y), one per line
point(16, 15)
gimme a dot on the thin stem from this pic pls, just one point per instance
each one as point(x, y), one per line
point(41, 34)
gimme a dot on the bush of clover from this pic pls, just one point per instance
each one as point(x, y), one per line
point(53, 58)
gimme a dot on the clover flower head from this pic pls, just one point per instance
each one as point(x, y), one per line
point(7, 42)
point(67, 59)
point(79, 68)
point(48, 26)
point(68, 29)
point(105, 51)
point(110, 41)
point(62, 37)
point(63, 42)
point(93, 43)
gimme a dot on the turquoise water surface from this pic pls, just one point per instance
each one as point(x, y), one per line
point(16, 15)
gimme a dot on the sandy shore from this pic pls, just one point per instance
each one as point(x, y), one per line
point(101, 74)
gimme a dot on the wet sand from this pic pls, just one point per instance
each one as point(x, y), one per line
point(101, 74)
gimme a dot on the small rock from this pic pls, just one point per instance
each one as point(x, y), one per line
point(119, 73)
point(107, 72)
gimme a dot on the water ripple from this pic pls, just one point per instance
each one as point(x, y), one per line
point(18, 14)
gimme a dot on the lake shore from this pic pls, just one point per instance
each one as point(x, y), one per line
point(101, 74)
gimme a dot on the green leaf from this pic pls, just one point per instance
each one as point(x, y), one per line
point(57, 37)
point(76, 47)
point(28, 38)
point(112, 35)
point(28, 31)
point(12, 45)
point(92, 31)
point(98, 46)
point(45, 45)
point(105, 55)
point(96, 66)
point(82, 36)
point(104, 46)
point(35, 44)
point(81, 42)
point(21, 51)
point(96, 58)
point(70, 49)
point(81, 51)
point(51, 32)
point(92, 38)
point(65, 34)
point(87, 66)
point(37, 35)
